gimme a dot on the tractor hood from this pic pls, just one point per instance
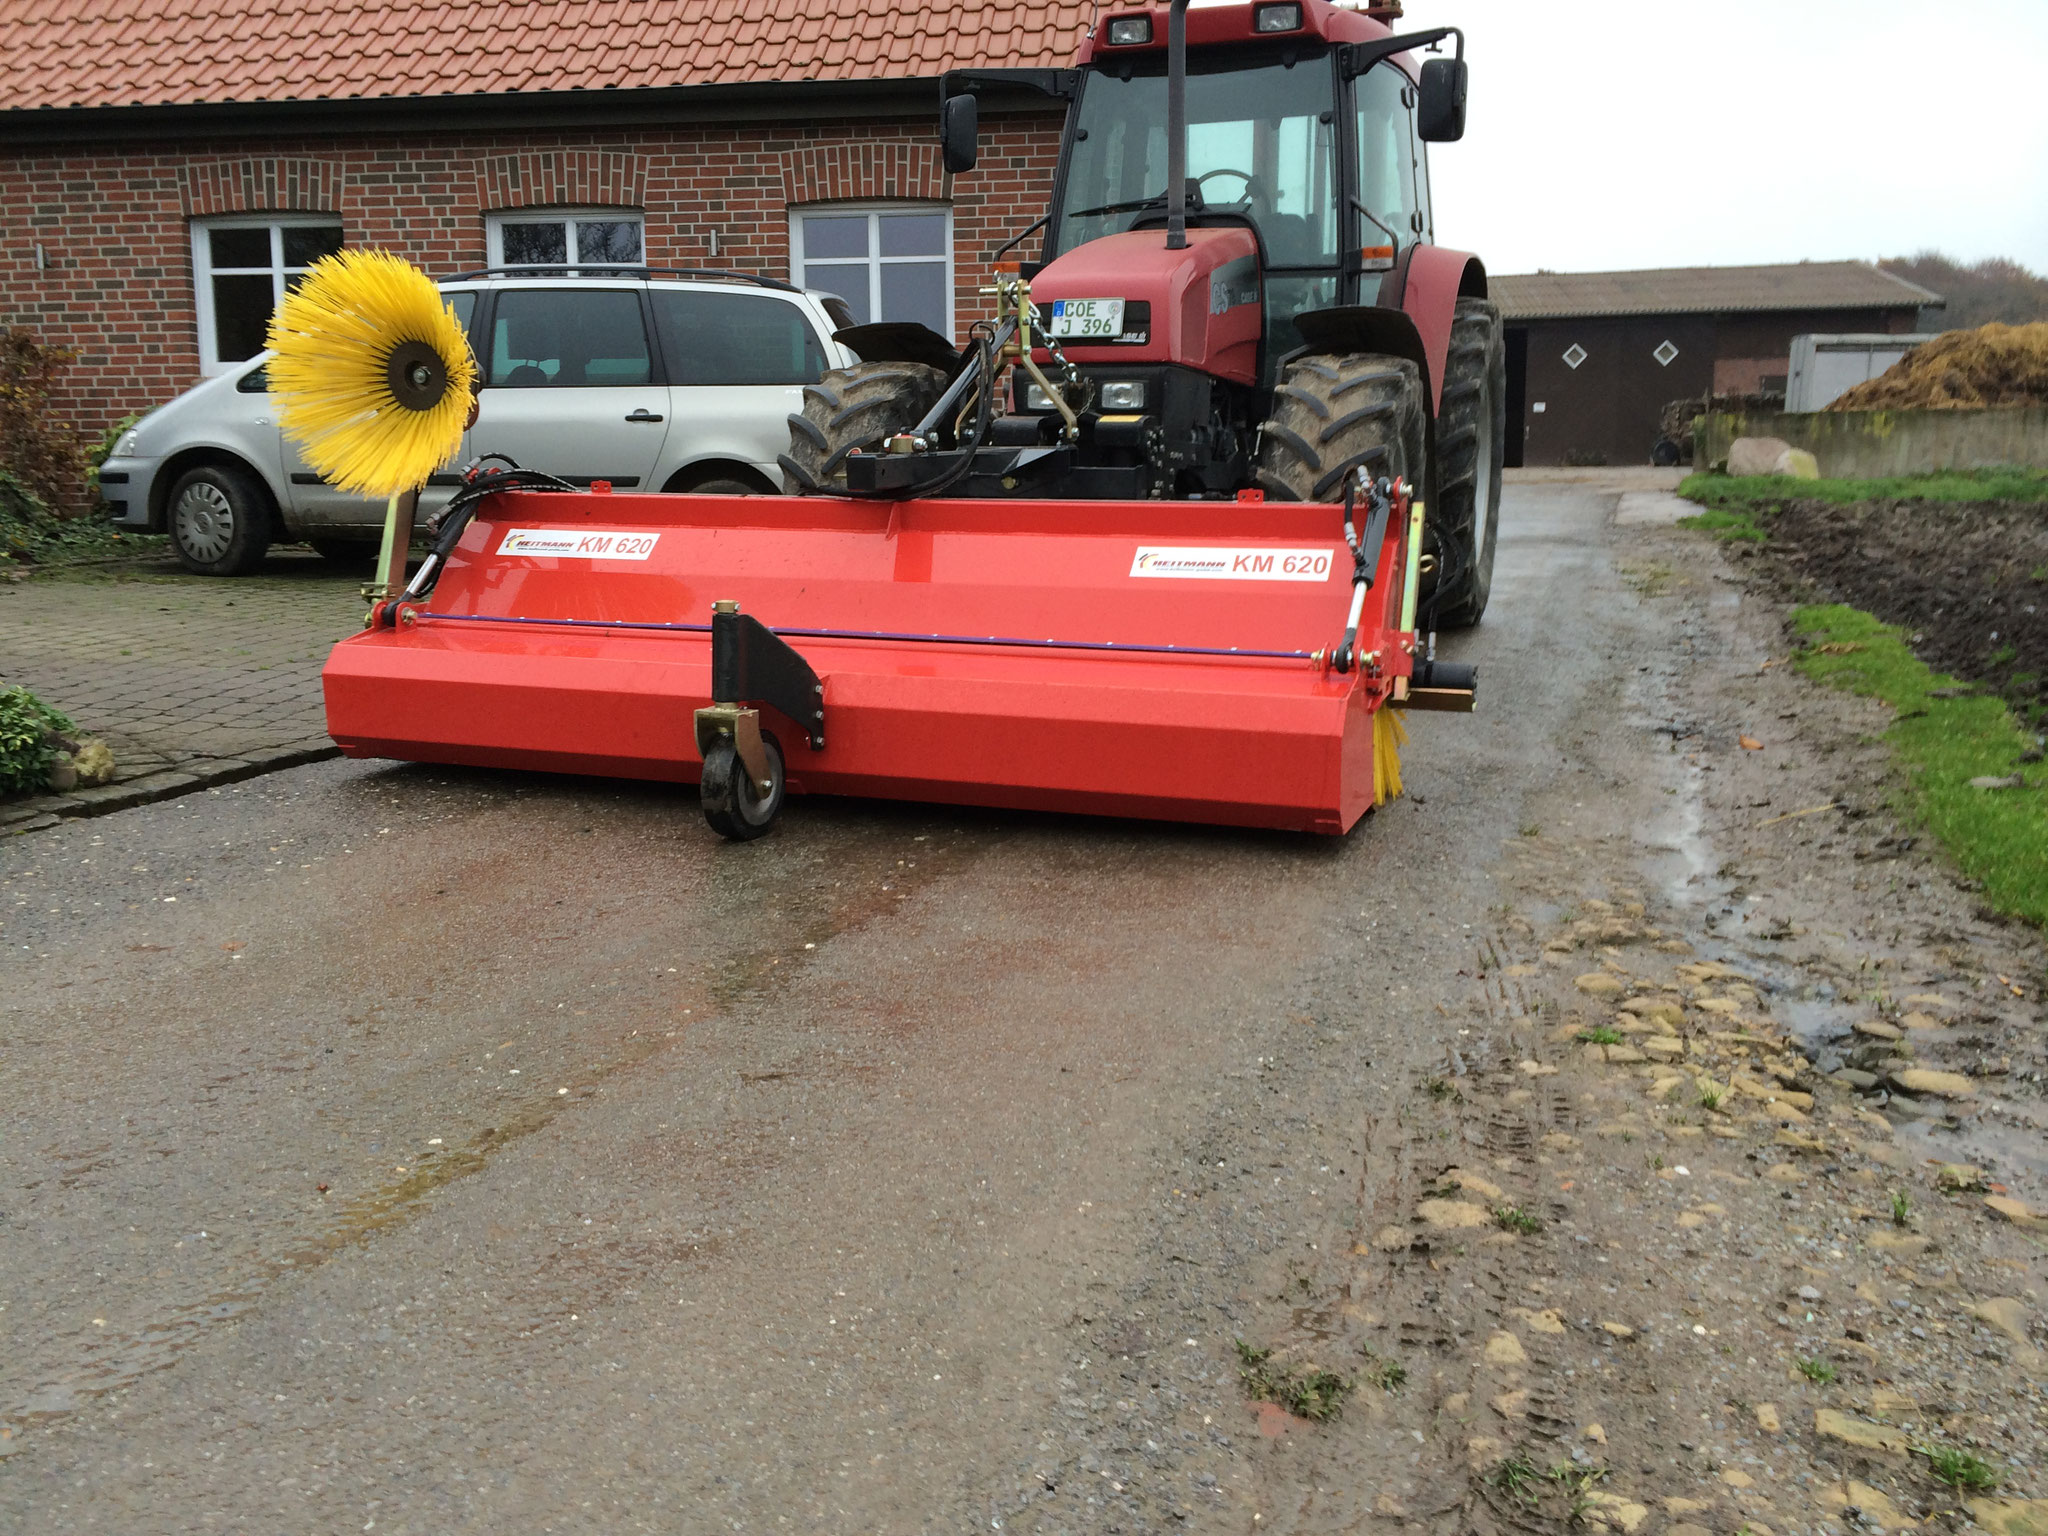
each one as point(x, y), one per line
point(1200, 307)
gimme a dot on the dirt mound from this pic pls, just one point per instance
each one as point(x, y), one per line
point(1963, 370)
point(1967, 581)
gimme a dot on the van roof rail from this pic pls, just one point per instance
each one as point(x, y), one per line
point(621, 269)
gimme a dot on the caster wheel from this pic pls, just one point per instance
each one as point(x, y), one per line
point(733, 803)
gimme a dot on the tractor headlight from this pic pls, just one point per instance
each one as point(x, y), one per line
point(1124, 395)
point(1130, 31)
point(1277, 18)
point(1036, 399)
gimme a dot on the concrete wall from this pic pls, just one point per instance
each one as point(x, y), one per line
point(1865, 445)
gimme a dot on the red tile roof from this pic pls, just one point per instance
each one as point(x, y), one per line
point(113, 53)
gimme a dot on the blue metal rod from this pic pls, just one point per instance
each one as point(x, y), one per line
point(896, 637)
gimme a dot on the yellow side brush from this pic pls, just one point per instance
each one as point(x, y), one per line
point(1389, 735)
point(373, 377)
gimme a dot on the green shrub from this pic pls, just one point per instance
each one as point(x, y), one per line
point(26, 750)
point(38, 449)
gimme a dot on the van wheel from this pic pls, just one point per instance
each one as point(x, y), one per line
point(219, 519)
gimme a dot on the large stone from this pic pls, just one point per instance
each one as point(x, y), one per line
point(1767, 1418)
point(1943, 1085)
point(2010, 1517)
point(1505, 1349)
point(1798, 464)
point(1875, 1504)
point(1880, 1439)
point(1615, 1511)
point(2009, 1317)
point(1599, 984)
point(1472, 1183)
point(1756, 455)
point(1452, 1214)
point(2014, 1211)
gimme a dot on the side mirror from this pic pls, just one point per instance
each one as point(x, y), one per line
point(960, 132)
point(1441, 118)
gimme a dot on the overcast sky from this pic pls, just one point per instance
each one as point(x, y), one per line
point(1653, 133)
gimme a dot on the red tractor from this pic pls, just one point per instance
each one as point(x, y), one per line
point(1238, 291)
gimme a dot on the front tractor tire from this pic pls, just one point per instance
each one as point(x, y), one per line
point(1471, 431)
point(1332, 414)
point(853, 408)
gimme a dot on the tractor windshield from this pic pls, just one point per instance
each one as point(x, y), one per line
point(1259, 143)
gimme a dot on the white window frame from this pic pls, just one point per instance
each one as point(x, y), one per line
point(876, 262)
point(496, 220)
point(203, 271)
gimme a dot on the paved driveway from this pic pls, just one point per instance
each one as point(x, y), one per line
point(190, 679)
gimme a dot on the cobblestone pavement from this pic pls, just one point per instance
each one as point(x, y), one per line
point(191, 680)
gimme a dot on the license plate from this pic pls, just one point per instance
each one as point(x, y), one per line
point(1082, 318)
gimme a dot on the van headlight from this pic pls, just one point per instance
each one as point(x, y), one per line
point(1124, 395)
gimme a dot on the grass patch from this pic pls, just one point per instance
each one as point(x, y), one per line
point(1601, 1034)
point(1306, 1392)
point(1964, 1471)
point(1392, 1375)
point(1739, 508)
point(1999, 837)
point(1730, 492)
point(1818, 1371)
point(1902, 1209)
point(1518, 1476)
point(1512, 1218)
point(1710, 1097)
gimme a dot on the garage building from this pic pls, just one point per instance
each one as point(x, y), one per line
point(1594, 357)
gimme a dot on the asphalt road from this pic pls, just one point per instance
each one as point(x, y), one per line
point(415, 1151)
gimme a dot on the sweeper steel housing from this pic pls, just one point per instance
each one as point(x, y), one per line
point(1136, 659)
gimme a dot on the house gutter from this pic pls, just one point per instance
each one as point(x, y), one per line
point(509, 111)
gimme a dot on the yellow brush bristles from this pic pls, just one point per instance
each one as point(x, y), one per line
point(1389, 735)
point(369, 427)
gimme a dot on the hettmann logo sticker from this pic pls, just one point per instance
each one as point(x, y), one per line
point(1208, 564)
point(578, 544)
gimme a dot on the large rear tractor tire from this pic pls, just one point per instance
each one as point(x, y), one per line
point(1471, 431)
point(1331, 414)
point(853, 408)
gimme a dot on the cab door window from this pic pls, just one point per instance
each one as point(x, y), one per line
point(1389, 176)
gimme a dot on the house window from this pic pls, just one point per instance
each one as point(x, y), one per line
point(886, 263)
point(242, 268)
point(595, 237)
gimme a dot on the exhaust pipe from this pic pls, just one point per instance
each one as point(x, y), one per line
point(1177, 127)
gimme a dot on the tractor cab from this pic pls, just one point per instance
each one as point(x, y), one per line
point(1239, 243)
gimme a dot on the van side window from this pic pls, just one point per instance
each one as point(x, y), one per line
point(735, 338)
point(544, 338)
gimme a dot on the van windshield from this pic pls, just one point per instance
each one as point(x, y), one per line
point(1259, 143)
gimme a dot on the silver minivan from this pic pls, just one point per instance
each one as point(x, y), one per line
point(650, 378)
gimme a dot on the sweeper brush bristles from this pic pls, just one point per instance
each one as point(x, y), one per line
point(1389, 735)
point(373, 376)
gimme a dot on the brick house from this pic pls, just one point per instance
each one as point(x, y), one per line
point(166, 167)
